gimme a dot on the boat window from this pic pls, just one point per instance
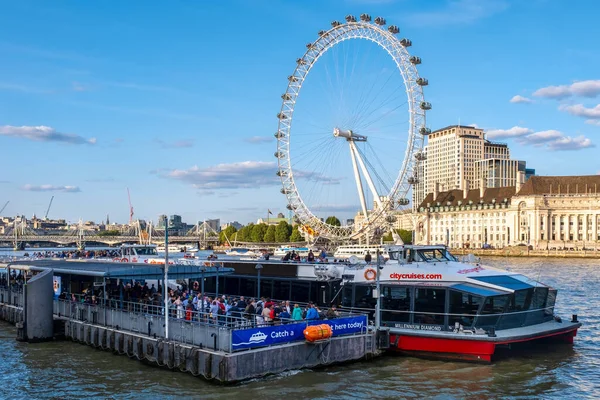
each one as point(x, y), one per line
point(493, 307)
point(465, 305)
point(432, 304)
point(363, 297)
point(395, 304)
point(504, 281)
point(393, 255)
point(347, 296)
point(431, 255)
point(520, 300)
point(145, 251)
point(538, 300)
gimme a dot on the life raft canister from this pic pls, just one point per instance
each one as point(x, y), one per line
point(318, 332)
point(370, 274)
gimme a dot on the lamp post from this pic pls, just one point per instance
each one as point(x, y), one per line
point(217, 286)
point(258, 268)
point(165, 286)
point(203, 269)
point(377, 288)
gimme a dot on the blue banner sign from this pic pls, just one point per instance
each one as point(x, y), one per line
point(344, 326)
point(266, 336)
point(270, 335)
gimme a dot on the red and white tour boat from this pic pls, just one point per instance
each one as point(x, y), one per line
point(435, 305)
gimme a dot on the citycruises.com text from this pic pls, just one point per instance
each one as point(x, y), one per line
point(415, 276)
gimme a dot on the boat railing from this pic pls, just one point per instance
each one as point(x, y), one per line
point(505, 320)
point(195, 327)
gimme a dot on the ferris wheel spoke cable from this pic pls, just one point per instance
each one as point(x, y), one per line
point(367, 101)
point(392, 96)
point(377, 118)
point(321, 171)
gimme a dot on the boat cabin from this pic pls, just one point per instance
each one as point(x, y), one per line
point(496, 299)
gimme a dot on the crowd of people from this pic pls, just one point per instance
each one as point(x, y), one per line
point(190, 304)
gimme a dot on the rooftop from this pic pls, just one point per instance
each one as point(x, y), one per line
point(456, 195)
point(456, 126)
point(116, 270)
point(561, 185)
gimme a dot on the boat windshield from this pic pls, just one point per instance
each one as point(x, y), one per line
point(433, 255)
point(146, 251)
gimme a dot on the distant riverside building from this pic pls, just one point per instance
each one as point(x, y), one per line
point(457, 154)
point(547, 212)
point(235, 224)
point(162, 221)
point(175, 221)
point(214, 224)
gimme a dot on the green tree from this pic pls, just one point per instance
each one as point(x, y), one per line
point(405, 235)
point(258, 232)
point(296, 235)
point(245, 233)
point(109, 233)
point(333, 220)
point(270, 234)
point(227, 233)
point(282, 232)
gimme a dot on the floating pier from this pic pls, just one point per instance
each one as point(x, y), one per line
point(218, 348)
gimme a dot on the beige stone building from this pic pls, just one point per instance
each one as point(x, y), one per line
point(547, 212)
point(458, 153)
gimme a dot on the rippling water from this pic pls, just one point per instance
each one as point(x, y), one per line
point(69, 370)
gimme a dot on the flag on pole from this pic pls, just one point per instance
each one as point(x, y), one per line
point(269, 211)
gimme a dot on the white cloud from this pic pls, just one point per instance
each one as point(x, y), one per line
point(589, 88)
point(515, 131)
point(246, 174)
point(51, 188)
point(259, 139)
point(43, 134)
point(541, 137)
point(177, 144)
point(550, 139)
point(520, 99)
point(457, 12)
point(580, 110)
point(239, 175)
point(569, 143)
point(593, 122)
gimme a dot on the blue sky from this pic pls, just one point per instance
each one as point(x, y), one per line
point(177, 101)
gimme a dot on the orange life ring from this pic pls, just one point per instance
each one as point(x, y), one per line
point(124, 260)
point(370, 274)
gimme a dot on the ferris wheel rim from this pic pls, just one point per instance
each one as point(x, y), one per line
point(327, 40)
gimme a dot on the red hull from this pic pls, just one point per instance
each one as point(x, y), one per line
point(462, 349)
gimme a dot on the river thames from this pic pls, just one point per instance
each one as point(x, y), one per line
point(68, 370)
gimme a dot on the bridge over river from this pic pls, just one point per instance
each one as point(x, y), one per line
point(76, 240)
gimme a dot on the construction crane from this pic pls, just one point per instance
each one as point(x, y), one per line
point(130, 207)
point(48, 210)
point(5, 204)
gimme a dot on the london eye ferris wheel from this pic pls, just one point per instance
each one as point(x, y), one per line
point(358, 129)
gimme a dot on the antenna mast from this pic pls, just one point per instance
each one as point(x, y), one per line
point(130, 207)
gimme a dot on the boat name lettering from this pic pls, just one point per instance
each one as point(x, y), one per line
point(419, 327)
point(398, 276)
point(468, 271)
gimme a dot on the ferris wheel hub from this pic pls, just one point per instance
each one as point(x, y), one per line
point(349, 135)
